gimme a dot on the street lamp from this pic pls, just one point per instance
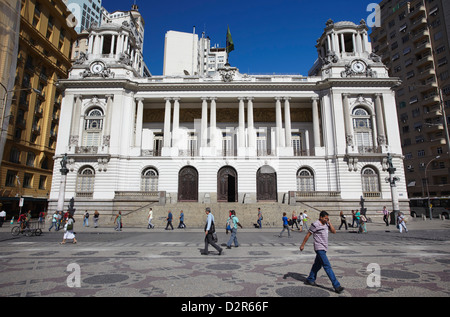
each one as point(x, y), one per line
point(428, 192)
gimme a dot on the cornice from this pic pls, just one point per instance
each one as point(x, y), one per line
point(101, 83)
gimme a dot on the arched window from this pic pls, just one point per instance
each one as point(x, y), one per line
point(305, 180)
point(85, 180)
point(370, 180)
point(149, 180)
point(93, 125)
point(362, 127)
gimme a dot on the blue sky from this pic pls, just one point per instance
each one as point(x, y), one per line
point(270, 37)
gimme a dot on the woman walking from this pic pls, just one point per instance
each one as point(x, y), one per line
point(68, 230)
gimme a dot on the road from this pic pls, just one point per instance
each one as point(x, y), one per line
point(140, 263)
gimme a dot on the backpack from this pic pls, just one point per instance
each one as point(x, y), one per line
point(230, 223)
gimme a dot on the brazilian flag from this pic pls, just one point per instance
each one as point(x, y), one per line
point(230, 44)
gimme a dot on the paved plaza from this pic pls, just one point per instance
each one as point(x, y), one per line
point(138, 262)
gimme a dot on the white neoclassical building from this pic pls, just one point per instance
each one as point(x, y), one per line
point(318, 142)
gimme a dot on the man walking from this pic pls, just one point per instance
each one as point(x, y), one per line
point(233, 223)
point(169, 220)
point(319, 231)
point(386, 216)
point(209, 230)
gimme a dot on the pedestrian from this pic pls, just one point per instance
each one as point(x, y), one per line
point(210, 230)
point(386, 216)
point(319, 230)
point(86, 219)
point(401, 222)
point(96, 216)
point(59, 218)
point(358, 219)
point(169, 220)
point(2, 217)
point(285, 225)
point(233, 223)
point(294, 220)
point(362, 225)
point(181, 225)
point(68, 230)
point(41, 219)
point(343, 220)
point(118, 221)
point(260, 218)
point(305, 220)
point(150, 218)
point(54, 221)
point(353, 219)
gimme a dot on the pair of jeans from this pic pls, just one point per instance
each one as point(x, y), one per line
point(322, 261)
point(233, 238)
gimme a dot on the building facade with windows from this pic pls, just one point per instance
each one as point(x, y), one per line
point(413, 41)
point(232, 139)
point(43, 58)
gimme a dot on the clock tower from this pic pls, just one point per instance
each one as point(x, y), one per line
point(345, 51)
point(115, 48)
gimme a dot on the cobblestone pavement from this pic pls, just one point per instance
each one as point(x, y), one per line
point(141, 263)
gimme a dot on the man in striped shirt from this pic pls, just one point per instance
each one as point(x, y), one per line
point(319, 231)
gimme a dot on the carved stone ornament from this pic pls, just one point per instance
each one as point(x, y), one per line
point(350, 72)
point(227, 73)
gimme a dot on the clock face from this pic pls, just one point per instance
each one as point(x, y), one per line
point(97, 67)
point(358, 67)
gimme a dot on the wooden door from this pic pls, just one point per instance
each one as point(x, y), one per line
point(266, 184)
point(188, 184)
point(227, 189)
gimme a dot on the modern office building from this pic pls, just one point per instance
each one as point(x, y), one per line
point(228, 141)
point(43, 58)
point(413, 42)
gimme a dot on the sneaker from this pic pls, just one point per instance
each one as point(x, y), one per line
point(339, 289)
point(308, 282)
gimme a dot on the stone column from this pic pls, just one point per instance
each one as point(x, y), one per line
point(279, 123)
point(380, 120)
point(139, 119)
point(167, 117)
point(213, 124)
point(75, 129)
point(251, 124)
point(316, 125)
point(347, 121)
point(241, 132)
point(287, 121)
point(108, 123)
point(204, 124)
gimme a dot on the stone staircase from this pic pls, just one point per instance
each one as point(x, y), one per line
point(135, 212)
point(195, 217)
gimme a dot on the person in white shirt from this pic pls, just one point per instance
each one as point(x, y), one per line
point(150, 217)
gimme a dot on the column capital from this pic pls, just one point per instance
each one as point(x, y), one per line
point(176, 98)
point(346, 95)
point(250, 98)
point(287, 98)
point(213, 98)
point(315, 98)
point(140, 99)
point(168, 99)
point(278, 98)
point(242, 98)
point(378, 95)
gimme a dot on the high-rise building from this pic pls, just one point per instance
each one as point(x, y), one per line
point(413, 41)
point(43, 58)
point(87, 13)
point(186, 54)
